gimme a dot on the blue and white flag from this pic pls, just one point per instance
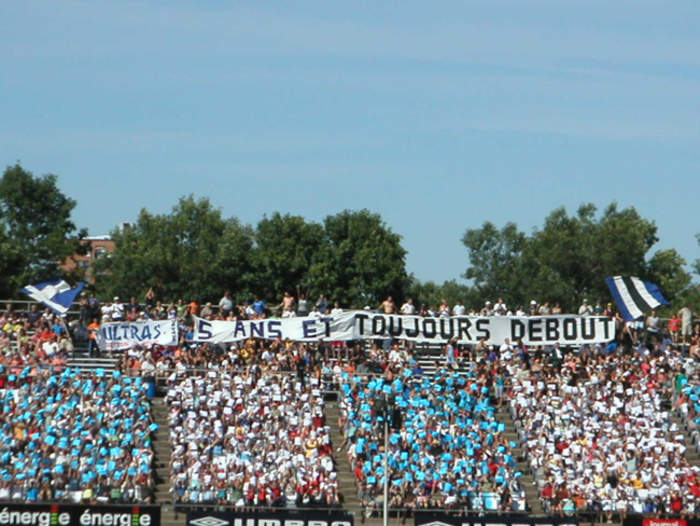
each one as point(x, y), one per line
point(634, 297)
point(55, 294)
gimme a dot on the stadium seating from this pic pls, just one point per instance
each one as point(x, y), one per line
point(250, 441)
point(446, 446)
point(71, 437)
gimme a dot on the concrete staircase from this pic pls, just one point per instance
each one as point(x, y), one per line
point(691, 454)
point(81, 359)
point(430, 357)
point(528, 482)
point(346, 478)
point(161, 447)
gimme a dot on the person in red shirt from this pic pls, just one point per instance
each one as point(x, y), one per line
point(674, 324)
point(676, 503)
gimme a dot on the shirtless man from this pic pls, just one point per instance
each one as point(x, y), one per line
point(388, 306)
point(287, 305)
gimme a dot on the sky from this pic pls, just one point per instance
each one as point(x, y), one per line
point(436, 115)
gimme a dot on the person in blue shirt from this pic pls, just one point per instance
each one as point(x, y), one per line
point(259, 307)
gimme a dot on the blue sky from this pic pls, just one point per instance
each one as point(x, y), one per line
point(437, 115)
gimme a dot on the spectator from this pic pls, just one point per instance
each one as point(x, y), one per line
point(408, 308)
point(322, 304)
point(459, 309)
point(226, 304)
point(585, 309)
point(674, 325)
point(387, 306)
point(117, 310)
point(500, 308)
point(686, 317)
point(259, 308)
point(287, 305)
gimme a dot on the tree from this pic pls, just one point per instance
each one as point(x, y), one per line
point(360, 262)
point(285, 246)
point(431, 294)
point(192, 253)
point(36, 231)
point(570, 257)
point(666, 270)
point(496, 258)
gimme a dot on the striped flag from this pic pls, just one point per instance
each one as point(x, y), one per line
point(56, 294)
point(634, 297)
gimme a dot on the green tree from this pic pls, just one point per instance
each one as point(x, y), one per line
point(285, 246)
point(192, 253)
point(496, 257)
point(37, 233)
point(431, 294)
point(360, 262)
point(666, 270)
point(570, 257)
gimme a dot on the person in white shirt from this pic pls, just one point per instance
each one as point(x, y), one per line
point(225, 304)
point(506, 350)
point(585, 309)
point(500, 309)
point(408, 308)
point(336, 310)
point(117, 309)
point(652, 322)
point(459, 309)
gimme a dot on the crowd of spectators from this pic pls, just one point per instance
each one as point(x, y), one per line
point(33, 338)
point(446, 446)
point(593, 420)
point(77, 438)
point(250, 440)
point(598, 434)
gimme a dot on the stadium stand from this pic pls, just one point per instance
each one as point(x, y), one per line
point(598, 433)
point(605, 431)
point(446, 446)
point(248, 440)
point(67, 437)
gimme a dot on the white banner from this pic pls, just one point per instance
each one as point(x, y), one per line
point(123, 335)
point(361, 325)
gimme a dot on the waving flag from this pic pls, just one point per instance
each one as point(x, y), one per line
point(55, 294)
point(634, 297)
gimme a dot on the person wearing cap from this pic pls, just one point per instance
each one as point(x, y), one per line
point(585, 309)
point(117, 309)
point(533, 308)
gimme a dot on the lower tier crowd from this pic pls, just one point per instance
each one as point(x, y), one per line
point(75, 437)
point(600, 429)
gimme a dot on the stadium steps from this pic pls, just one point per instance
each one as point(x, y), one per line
point(691, 453)
point(169, 517)
point(346, 478)
point(81, 359)
point(527, 480)
point(432, 357)
point(161, 448)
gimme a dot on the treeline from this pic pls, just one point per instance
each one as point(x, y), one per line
point(353, 257)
